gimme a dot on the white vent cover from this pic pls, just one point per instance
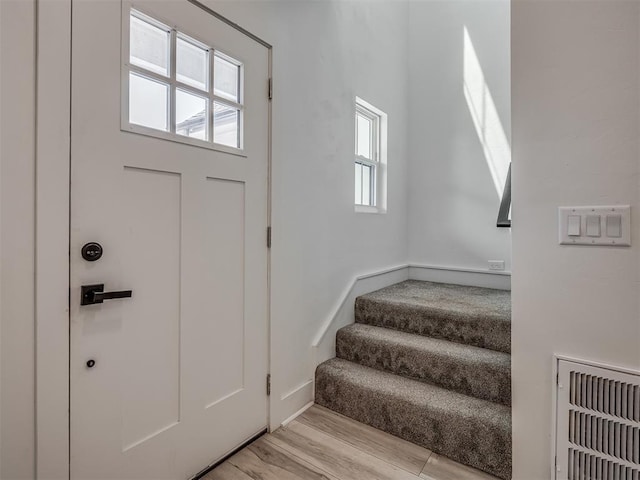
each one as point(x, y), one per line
point(598, 423)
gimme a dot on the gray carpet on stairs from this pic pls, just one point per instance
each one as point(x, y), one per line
point(463, 428)
point(430, 363)
point(471, 315)
point(474, 371)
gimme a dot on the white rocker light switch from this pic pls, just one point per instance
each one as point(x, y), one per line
point(614, 226)
point(593, 225)
point(573, 225)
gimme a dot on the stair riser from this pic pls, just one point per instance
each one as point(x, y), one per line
point(489, 382)
point(493, 334)
point(457, 435)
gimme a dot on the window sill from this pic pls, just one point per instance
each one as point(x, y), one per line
point(368, 209)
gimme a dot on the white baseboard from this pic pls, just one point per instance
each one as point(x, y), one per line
point(461, 276)
point(294, 401)
point(297, 414)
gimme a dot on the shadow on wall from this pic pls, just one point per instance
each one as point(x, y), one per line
point(484, 114)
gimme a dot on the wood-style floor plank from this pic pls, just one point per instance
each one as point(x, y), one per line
point(441, 468)
point(323, 445)
point(226, 471)
point(263, 461)
point(386, 447)
point(334, 456)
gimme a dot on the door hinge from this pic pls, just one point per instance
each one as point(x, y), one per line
point(270, 88)
point(268, 384)
point(268, 237)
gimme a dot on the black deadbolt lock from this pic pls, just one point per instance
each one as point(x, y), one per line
point(92, 251)
point(91, 363)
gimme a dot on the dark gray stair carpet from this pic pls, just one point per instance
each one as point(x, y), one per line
point(466, 429)
point(474, 371)
point(471, 315)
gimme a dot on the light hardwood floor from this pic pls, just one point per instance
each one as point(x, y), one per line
point(323, 445)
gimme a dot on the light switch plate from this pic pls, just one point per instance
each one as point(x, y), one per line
point(623, 240)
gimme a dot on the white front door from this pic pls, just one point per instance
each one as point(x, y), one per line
point(169, 173)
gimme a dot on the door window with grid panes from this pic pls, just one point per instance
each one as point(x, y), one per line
point(370, 157)
point(179, 88)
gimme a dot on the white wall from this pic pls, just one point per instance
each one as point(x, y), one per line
point(326, 53)
point(17, 164)
point(576, 130)
point(453, 201)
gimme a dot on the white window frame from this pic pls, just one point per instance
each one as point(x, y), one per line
point(378, 160)
point(174, 85)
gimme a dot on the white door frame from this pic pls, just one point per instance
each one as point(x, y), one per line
point(53, 151)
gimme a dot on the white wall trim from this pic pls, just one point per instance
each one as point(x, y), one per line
point(461, 276)
point(346, 293)
point(459, 269)
point(53, 104)
point(294, 401)
point(297, 414)
point(291, 393)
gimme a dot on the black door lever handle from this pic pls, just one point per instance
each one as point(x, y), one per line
point(92, 294)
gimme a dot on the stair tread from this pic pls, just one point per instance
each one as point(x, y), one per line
point(469, 430)
point(459, 300)
point(469, 315)
point(466, 369)
point(456, 351)
point(421, 393)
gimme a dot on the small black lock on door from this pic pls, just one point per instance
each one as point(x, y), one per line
point(91, 251)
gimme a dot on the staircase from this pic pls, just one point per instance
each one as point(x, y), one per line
point(430, 363)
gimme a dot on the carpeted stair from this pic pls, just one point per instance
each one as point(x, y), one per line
point(429, 363)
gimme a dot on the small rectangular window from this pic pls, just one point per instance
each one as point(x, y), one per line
point(370, 158)
point(179, 88)
point(192, 64)
point(227, 78)
point(148, 102)
point(149, 45)
point(192, 115)
point(226, 122)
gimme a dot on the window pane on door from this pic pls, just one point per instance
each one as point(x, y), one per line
point(226, 79)
point(226, 125)
point(192, 64)
point(148, 102)
point(363, 135)
point(191, 115)
point(149, 46)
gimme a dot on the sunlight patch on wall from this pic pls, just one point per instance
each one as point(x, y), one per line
point(497, 150)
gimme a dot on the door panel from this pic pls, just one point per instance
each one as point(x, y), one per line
point(150, 374)
point(227, 200)
point(180, 367)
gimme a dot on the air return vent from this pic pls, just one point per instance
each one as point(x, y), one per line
point(598, 423)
